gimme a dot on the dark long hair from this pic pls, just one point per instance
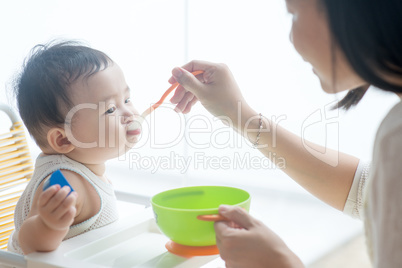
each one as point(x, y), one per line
point(369, 32)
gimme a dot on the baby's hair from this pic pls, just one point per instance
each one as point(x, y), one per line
point(42, 87)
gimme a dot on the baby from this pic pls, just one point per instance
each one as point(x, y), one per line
point(75, 103)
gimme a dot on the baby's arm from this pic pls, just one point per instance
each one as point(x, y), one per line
point(53, 212)
point(45, 230)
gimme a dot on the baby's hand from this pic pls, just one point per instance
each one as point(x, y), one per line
point(57, 207)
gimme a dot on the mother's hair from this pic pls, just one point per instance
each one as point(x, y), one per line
point(369, 32)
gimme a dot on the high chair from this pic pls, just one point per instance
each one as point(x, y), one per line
point(133, 241)
point(16, 169)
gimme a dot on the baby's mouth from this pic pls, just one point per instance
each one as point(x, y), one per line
point(135, 127)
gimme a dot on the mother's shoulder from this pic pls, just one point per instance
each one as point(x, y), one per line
point(391, 124)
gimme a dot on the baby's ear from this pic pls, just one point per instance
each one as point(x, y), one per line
point(57, 139)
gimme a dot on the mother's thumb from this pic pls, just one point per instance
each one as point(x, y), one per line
point(186, 80)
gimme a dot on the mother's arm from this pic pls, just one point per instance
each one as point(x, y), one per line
point(219, 93)
point(328, 176)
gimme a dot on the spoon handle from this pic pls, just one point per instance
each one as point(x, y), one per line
point(212, 217)
point(167, 92)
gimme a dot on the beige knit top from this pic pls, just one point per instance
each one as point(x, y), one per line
point(376, 194)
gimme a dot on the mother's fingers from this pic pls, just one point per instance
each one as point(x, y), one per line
point(238, 215)
point(188, 96)
point(222, 227)
point(195, 65)
point(190, 105)
point(180, 90)
point(178, 95)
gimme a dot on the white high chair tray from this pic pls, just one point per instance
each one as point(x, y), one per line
point(132, 242)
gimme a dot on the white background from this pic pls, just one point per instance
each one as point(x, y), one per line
point(148, 38)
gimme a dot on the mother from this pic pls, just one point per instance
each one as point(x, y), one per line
point(351, 45)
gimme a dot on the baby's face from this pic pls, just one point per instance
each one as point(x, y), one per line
point(100, 117)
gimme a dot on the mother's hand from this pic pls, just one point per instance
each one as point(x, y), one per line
point(247, 242)
point(215, 88)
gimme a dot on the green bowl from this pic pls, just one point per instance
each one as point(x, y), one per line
point(176, 211)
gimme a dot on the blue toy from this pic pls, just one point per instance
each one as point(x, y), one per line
point(57, 178)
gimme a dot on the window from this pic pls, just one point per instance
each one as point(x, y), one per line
point(148, 38)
